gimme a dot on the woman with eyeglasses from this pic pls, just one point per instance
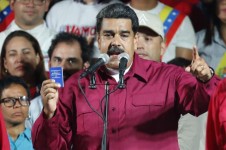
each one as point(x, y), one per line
point(14, 101)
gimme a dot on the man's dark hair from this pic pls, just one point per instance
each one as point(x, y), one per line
point(7, 81)
point(69, 38)
point(117, 11)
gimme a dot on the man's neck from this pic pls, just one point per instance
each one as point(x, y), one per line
point(15, 130)
point(144, 4)
point(27, 27)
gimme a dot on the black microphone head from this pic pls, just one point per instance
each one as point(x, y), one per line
point(105, 57)
point(123, 55)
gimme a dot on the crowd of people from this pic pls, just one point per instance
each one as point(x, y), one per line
point(159, 87)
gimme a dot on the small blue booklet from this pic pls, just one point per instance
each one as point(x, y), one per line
point(56, 73)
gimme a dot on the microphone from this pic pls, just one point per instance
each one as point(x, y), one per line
point(103, 59)
point(123, 57)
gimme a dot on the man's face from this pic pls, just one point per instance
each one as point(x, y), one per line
point(20, 59)
point(16, 114)
point(29, 12)
point(150, 45)
point(68, 56)
point(116, 36)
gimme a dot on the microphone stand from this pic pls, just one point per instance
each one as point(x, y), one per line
point(104, 137)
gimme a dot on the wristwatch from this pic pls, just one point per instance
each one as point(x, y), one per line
point(212, 71)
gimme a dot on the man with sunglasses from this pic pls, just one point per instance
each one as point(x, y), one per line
point(29, 17)
point(14, 102)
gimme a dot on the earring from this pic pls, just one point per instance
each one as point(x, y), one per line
point(6, 70)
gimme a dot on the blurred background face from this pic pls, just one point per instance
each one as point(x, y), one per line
point(68, 56)
point(17, 114)
point(149, 45)
point(222, 10)
point(117, 35)
point(20, 59)
point(29, 12)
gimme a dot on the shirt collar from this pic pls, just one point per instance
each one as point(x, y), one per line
point(27, 133)
point(136, 70)
point(138, 67)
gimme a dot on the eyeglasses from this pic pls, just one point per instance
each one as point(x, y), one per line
point(35, 2)
point(11, 101)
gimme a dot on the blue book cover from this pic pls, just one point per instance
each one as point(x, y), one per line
point(56, 73)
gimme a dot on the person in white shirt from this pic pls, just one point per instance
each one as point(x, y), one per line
point(183, 39)
point(77, 17)
point(29, 17)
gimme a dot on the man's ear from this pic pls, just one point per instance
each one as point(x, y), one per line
point(49, 63)
point(11, 4)
point(135, 41)
point(47, 5)
point(86, 65)
point(163, 48)
point(98, 39)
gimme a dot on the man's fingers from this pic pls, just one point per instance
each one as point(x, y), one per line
point(195, 53)
point(49, 90)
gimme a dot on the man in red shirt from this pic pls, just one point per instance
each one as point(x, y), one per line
point(144, 115)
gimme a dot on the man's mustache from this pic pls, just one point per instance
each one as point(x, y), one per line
point(114, 50)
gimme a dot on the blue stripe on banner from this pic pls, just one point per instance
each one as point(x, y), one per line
point(169, 20)
point(4, 13)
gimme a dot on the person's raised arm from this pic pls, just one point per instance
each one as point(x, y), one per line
point(199, 68)
point(50, 97)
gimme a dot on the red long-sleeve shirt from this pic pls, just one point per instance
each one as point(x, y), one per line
point(144, 115)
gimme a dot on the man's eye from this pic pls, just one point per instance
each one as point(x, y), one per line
point(108, 35)
point(147, 38)
point(8, 101)
point(125, 35)
point(26, 52)
point(71, 61)
point(57, 60)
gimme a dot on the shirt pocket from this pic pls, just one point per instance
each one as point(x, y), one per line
point(148, 99)
point(88, 120)
point(147, 104)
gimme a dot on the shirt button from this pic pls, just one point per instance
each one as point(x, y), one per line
point(113, 130)
point(113, 108)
